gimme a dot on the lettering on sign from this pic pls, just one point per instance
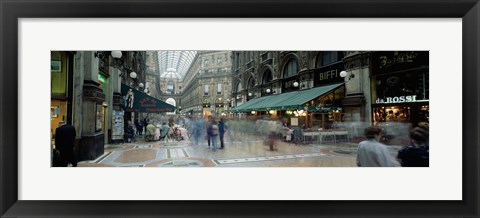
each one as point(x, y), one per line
point(289, 84)
point(328, 75)
point(407, 57)
point(397, 99)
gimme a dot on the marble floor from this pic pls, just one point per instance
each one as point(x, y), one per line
point(244, 151)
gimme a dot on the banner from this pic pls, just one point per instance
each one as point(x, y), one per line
point(136, 101)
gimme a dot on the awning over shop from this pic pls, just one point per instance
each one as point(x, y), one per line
point(136, 101)
point(286, 101)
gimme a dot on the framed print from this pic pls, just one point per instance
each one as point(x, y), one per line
point(394, 29)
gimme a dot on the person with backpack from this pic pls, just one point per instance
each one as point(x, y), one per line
point(212, 132)
point(416, 154)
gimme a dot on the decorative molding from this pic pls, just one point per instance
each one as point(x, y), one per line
point(358, 100)
point(92, 92)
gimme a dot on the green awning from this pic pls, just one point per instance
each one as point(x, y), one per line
point(285, 101)
point(136, 101)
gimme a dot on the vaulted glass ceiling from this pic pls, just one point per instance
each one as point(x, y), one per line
point(174, 64)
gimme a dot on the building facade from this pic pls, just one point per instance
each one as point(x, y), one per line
point(208, 84)
point(86, 93)
point(258, 74)
point(336, 86)
point(171, 87)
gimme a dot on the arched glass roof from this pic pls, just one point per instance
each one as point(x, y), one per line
point(174, 64)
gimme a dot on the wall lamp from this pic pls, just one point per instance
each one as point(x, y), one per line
point(269, 90)
point(295, 84)
point(344, 74)
point(133, 75)
point(116, 54)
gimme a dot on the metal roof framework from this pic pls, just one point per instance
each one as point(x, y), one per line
point(180, 61)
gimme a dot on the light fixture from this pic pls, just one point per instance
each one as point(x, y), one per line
point(133, 75)
point(238, 97)
point(295, 84)
point(140, 85)
point(268, 90)
point(253, 112)
point(344, 74)
point(250, 94)
point(116, 54)
point(272, 111)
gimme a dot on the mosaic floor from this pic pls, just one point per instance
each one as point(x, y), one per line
point(249, 152)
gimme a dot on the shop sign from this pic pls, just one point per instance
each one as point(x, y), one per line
point(386, 62)
point(328, 74)
point(397, 99)
point(288, 84)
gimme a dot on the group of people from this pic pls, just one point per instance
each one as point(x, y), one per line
point(372, 153)
point(150, 131)
point(214, 131)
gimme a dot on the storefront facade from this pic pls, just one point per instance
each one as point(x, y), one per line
point(399, 93)
point(400, 87)
point(61, 106)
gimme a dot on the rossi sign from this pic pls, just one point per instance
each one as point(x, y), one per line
point(397, 99)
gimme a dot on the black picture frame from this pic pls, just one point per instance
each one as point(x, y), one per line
point(12, 10)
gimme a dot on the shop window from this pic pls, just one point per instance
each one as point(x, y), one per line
point(401, 87)
point(58, 69)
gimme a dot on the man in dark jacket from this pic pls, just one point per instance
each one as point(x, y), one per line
point(221, 129)
point(64, 143)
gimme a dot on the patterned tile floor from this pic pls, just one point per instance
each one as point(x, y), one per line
point(250, 152)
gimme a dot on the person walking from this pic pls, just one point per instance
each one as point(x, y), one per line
point(139, 127)
point(222, 127)
point(196, 125)
point(64, 143)
point(416, 154)
point(372, 153)
point(208, 123)
point(212, 132)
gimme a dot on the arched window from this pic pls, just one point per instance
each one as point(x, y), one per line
point(267, 77)
point(170, 87)
point(328, 57)
point(291, 68)
point(251, 83)
point(239, 87)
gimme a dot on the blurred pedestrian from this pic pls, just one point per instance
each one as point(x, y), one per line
point(129, 132)
point(208, 123)
point(139, 127)
point(64, 143)
point(416, 154)
point(145, 123)
point(212, 132)
point(197, 126)
point(164, 132)
point(372, 153)
point(222, 128)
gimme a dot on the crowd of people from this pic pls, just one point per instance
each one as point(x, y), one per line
point(152, 130)
point(373, 153)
